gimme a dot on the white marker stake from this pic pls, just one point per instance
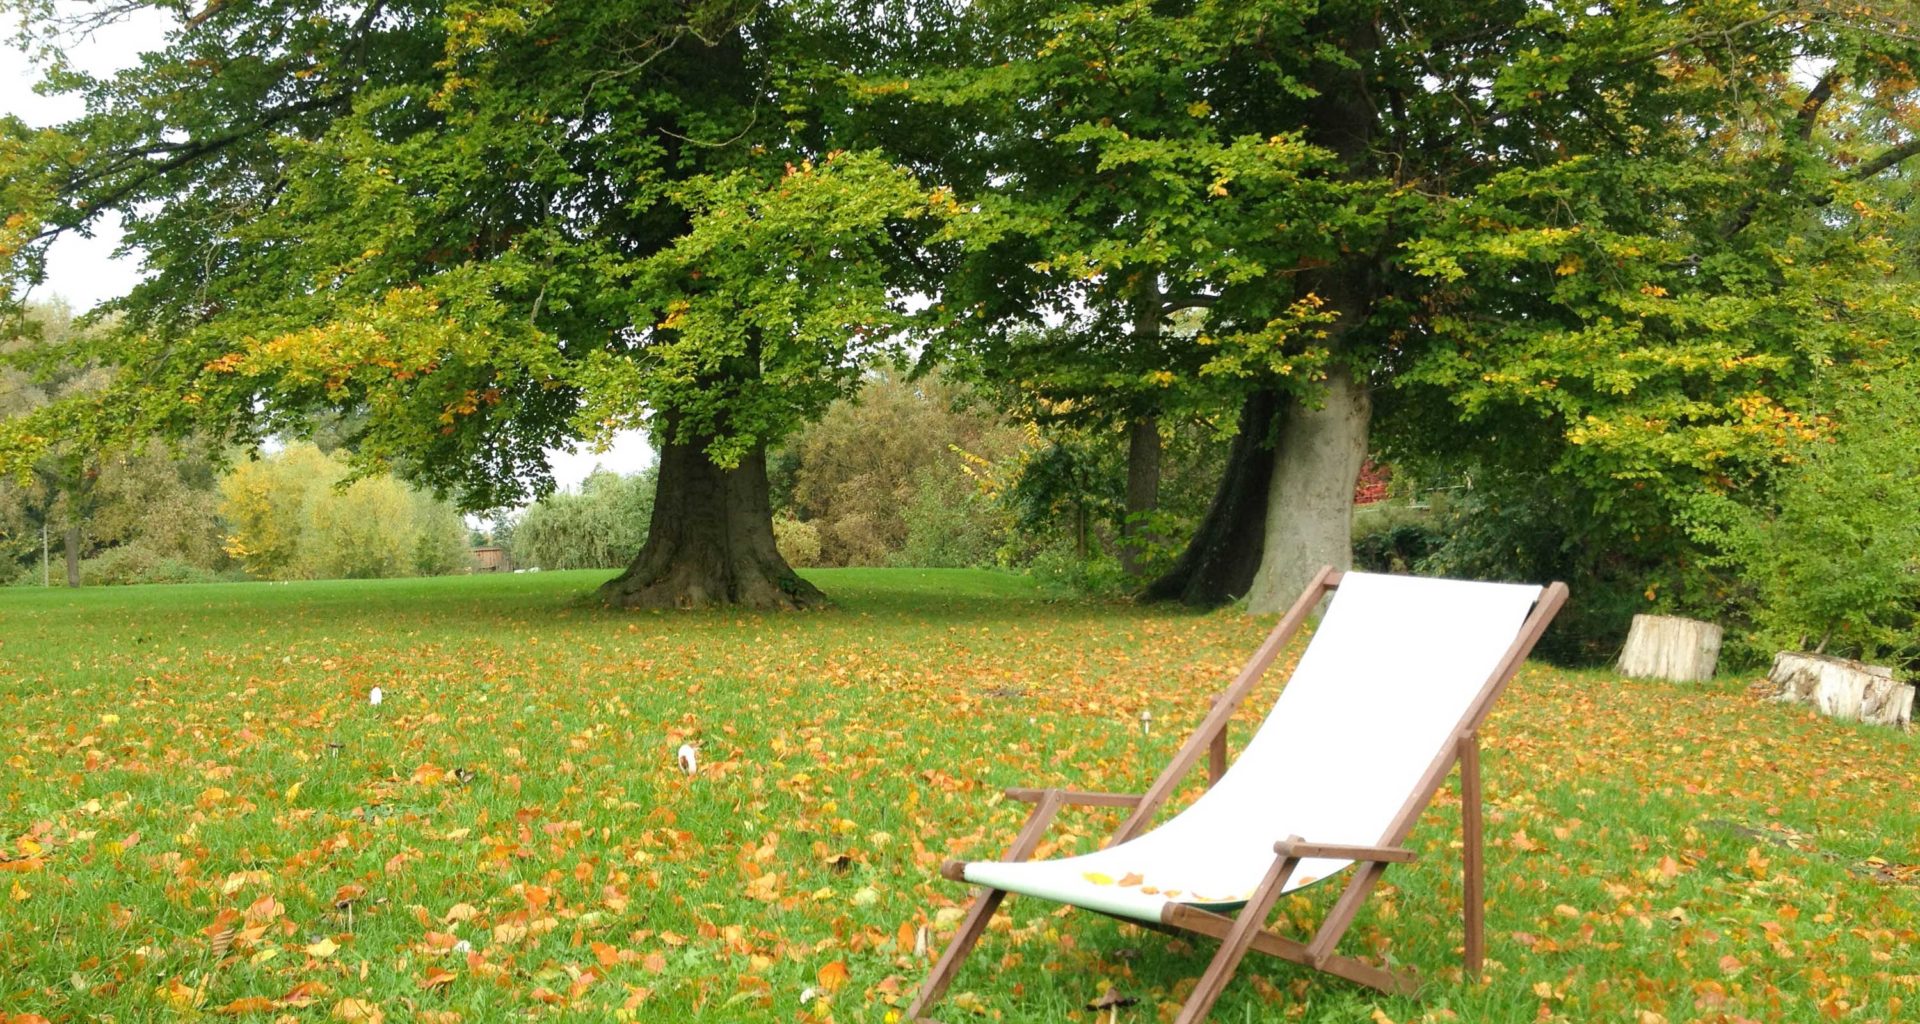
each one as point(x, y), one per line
point(375, 696)
point(689, 759)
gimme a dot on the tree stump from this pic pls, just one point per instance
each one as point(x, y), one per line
point(1671, 648)
point(1844, 689)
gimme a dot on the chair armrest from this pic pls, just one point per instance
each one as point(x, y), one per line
point(1075, 797)
point(1335, 851)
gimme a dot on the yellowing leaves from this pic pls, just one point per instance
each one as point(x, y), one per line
point(358, 1011)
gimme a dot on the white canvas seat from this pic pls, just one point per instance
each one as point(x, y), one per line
point(1385, 701)
point(1393, 668)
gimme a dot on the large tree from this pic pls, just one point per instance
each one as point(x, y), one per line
point(488, 230)
point(1579, 238)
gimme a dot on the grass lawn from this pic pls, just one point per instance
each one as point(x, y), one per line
point(203, 814)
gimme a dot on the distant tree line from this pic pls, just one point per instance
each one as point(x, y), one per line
point(193, 510)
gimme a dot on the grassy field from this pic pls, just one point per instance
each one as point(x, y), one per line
point(204, 815)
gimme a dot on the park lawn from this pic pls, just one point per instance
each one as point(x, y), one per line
point(204, 814)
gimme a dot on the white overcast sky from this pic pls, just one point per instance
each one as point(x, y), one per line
point(85, 271)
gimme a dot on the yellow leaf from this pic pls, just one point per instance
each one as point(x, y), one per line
point(322, 949)
point(293, 791)
point(1097, 878)
point(359, 1011)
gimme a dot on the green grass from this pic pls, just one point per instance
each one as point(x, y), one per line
point(202, 810)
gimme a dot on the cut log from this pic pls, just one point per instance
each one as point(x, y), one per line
point(1844, 689)
point(1671, 648)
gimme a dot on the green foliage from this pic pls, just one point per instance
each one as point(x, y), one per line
point(1389, 536)
point(1831, 562)
point(480, 230)
point(137, 563)
point(601, 526)
point(798, 541)
point(951, 524)
point(871, 470)
point(1063, 572)
point(297, 514)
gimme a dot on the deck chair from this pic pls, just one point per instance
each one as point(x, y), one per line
point(1387, 697)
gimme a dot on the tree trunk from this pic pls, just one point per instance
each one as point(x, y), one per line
point(1309, 519)
point(1842, 689)
point(1671, 648)
point(73, 554)
point(710, 543)
point(1218, 563)
point(1143, 492)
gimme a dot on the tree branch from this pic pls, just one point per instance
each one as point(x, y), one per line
point(1805, 120)
point(1885, 160)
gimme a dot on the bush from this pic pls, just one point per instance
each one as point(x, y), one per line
point(799, 542)
point(1394, 537)
point(601, 526)
point(287, 518)
point(136, 563)
point(950, 524)
point(1063, 573)
point(1832, 562)
point(1529, 531)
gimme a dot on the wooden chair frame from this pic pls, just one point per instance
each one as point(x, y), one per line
point(1247, 931)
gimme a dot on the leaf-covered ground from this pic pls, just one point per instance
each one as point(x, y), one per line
point(204, 815)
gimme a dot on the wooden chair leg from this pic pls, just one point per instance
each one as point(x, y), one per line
point(1251, 921)
point(1217, 755)
point(975, 923)
point(1471, 858)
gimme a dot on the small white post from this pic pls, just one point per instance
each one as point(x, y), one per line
point(46, 567)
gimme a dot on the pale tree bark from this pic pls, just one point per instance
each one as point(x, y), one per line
point(1670, 647)
point(1143, 491)
point(710, 542)
point(1310, 495)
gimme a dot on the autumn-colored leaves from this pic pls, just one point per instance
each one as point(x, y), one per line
point(509, 832)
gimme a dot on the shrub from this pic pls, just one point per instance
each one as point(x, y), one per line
point(1832, 562)
point(1061, 572)
point(600, 526)
point(799, 541)
point(950, 524)
point(1394, 537)
point(137, 563)
point(287, 518)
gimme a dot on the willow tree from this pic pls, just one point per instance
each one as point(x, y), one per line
point(493, 230)
point(1519, 229)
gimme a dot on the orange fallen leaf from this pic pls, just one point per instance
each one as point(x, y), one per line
point(832, 975)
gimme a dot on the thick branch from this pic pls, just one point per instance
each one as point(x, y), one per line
point(1808, 117)
point(1886, 160)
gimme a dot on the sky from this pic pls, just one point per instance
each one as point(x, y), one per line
point(86, 271)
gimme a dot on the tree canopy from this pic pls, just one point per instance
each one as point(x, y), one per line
point(1619, 248)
